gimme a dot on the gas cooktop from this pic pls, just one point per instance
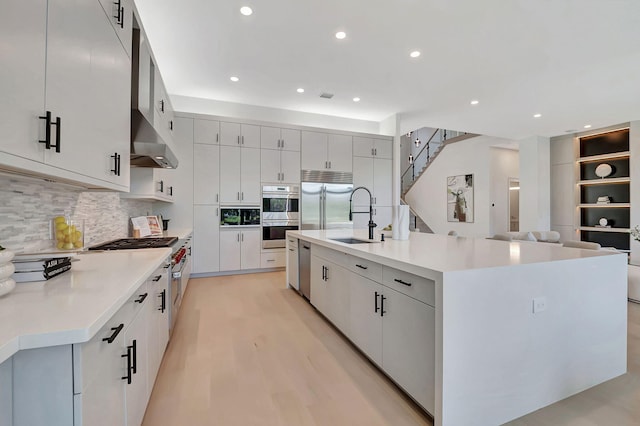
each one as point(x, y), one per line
point(136, 243)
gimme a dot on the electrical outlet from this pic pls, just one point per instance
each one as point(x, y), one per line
point(539, 304)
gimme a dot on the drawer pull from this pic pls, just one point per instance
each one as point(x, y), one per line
point(402, 282)
point(128, 355)
point(163, 300)
point(362, 267)
point(271, 260)
point(141, 298)
point(116, 331)
point(157, 278)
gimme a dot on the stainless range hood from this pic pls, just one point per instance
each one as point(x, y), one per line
point(148, 149)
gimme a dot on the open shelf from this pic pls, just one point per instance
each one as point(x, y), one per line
point(605, 181)
point(599, 229)
point(601, 157)
point(605, 206)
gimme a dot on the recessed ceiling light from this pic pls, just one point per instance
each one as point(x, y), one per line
point(246, 10)
point(300, 90)
point(340, 35)
point(414, 54)
point(537, 115)
point(356, 99)
point(588, 126)
point(474, 102)
point(234, 79)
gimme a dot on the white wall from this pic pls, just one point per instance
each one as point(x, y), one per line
point(428, 197)
point(504, 165)
point(535, 189)
point(253, 112)
point(562, 186)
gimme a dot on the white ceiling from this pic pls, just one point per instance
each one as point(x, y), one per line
point(576, 62)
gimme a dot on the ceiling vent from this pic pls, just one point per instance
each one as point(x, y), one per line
point(326, 95)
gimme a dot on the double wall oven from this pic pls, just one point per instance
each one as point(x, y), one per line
point(280, 213)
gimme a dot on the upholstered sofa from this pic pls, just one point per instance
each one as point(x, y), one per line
point(541, 236)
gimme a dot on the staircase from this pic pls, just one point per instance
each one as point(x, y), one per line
point(419, 164)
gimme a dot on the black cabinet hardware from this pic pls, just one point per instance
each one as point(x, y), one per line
point(58, 124)
point(290, 249)
point(171, 191)
point(161, 105)
point(376, 302)
point(47, 130)
point(402, 282)
point(156, 278)
point(382, 311)
point(362, 267)
point(166, 266)
point(324, 273)
point(163, 300)
point(134, 350)
point(128, 355)
point(116, 331)
point(161, 186)
point(141, 298)
point(116, 164)
point(189, 251)
point(122, 17)
point(171, 125)
point(119, 11)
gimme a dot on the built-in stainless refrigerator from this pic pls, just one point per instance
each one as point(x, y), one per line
point(325, 200)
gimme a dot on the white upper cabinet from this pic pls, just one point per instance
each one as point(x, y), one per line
point(281, 139)
point(236, 134)
point(280, 166)
point(206, 131)
point(239, 175)
point(339, 153)
point(120, 14)
point(206, 178)
point(229, 174)
point(370, 147)
point(250, 189)
point(68, 54)
point(375, 175)
point(23, 27)
point(362, 176)
point(270, 165)
point(290, 166)
point(321, 151)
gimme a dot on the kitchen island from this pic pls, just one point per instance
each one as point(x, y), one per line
point(476, 331)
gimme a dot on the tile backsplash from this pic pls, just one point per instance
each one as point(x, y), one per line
point(27, 207)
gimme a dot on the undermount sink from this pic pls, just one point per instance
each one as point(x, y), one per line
point(351, 241)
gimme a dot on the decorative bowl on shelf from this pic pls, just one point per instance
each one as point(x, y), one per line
point(603, 170)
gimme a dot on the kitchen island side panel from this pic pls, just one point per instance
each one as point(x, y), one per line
point(499, 360)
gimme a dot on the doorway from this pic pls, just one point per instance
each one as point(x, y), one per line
point(514, 204)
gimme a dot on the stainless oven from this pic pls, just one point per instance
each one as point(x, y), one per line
point(274, 232)
point(280, 213)
point(179, 262)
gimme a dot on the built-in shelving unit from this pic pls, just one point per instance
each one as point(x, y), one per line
point(611, 148)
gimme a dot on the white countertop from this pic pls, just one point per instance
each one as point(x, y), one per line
point(181, 233)
point(72, 307)
point(444, 253)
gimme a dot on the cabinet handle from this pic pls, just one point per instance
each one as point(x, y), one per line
point(217, 212)
point(216, 197)
point(58, 124)
point(242, 197)
point(156, 278)
point(372, 151)
point(115, 164)
point(329, 164)
point(47, 130)
point(242, 140)
point(376, 302)
point(128, 355)
point(238, 196)
point(141, 298)
point(238, 237)
point(375, 151)
point(116, 331)
point(118, 8)
point(282, 176)
point(119, 162)
point(189, 251)
point(322, 272)
point(241, 236)
point(362, 267)
point(402, 282)
point(161, 186)
point(382, 311)
point(271, 260)
point(217, 137)
point(171, 125)
point(290, 249)
point(171, 191)
point(161, 105)
point(238, 139)
point(134, 350)
point(121, 17)
point(163, 300)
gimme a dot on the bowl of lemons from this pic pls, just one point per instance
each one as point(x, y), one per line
point(69, 233)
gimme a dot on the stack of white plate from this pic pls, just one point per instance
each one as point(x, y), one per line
point(6, 270)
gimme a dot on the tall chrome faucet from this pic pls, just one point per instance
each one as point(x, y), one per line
point(371, 224)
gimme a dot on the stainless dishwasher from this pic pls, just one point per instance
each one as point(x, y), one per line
point(304, 261)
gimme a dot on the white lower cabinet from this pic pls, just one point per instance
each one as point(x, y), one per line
point(275, 258)
point(408, 350)
point(395, 330)
point(206, 234)
point(292, 263)
point(137, 392)
point(158, 324)
point(239, 249)
point(6, 393)
point(364, 316)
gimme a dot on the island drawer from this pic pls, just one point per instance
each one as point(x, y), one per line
point(420, 288)
point(366, 268)
point(330, 254)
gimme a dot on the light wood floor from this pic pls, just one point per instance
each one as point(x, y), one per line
point(246, 351)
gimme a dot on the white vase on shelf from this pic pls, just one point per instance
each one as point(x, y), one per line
point(7, 284)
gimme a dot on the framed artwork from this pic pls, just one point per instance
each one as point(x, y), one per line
point(460, 198)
